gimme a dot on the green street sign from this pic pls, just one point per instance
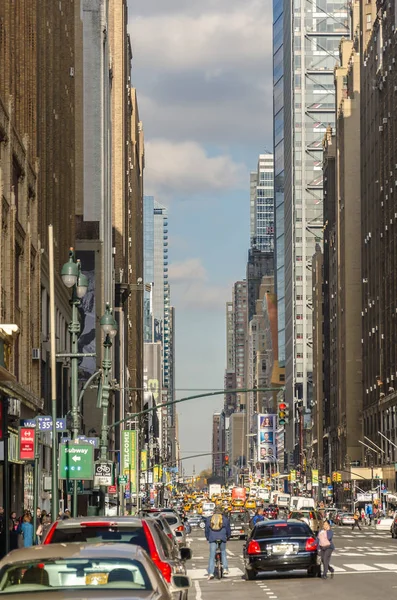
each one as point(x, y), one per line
point(123, 479)
point(80, 487)
point(76, 461)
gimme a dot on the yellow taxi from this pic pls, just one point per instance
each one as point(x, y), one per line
point(199, 508)
point(250, 504)
point(187, 507)
point(218, 502)
point(238, 503)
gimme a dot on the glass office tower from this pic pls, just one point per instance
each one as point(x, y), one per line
point(262, 204)
point(306, 40)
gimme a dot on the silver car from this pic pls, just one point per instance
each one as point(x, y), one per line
point(85, 570)
point(177, 526)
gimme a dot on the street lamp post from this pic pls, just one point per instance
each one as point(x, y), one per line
point(109, 328)
point(73, 278)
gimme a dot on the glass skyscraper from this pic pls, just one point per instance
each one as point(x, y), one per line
point(306, 36)
point(262, 205)
point(148, 267)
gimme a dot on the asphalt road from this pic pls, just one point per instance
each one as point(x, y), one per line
point(365, 569)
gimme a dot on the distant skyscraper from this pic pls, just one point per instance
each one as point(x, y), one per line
point(262, 204)
point(306, 37)
point(148, 267)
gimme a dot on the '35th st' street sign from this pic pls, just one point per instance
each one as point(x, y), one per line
point(76, 461)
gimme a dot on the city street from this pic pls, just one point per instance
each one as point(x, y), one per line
point(365, 568)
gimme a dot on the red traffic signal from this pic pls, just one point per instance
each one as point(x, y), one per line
point(282, 406)
point(226, 459)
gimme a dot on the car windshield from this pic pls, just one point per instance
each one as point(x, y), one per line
point(97, 534)
point(283, 530)
point(49, 574)
point(237, 518)
point(170, 519)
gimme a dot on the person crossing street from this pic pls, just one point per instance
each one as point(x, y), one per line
point(326, 547)
point(356, 518)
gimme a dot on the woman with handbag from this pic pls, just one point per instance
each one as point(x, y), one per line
point(326, 547)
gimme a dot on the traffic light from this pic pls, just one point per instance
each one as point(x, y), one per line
point(226, 459)
point(282, 413)
point(339, 477)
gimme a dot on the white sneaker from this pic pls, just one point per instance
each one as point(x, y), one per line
point(210, 577)
point(226, 572)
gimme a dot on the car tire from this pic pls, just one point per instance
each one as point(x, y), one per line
point(393, 535)
point(250, 575)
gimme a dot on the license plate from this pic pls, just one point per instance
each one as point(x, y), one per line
point(282, 549)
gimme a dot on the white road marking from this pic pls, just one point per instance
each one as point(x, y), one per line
point(229, 552)
point(360, 567)
point(378, 553)
point(195, 574)
point(198, 590)
point(338, 569)
point(388, 566)
point(352, 554)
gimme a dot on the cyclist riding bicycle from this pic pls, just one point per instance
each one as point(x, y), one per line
point(217, 528)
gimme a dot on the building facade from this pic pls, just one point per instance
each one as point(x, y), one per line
point(378, 237)
point(303, 68)
point(262, 204)
point(218, 444)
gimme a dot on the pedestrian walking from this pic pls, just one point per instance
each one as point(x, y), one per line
point(356, 518)
point(326, 547)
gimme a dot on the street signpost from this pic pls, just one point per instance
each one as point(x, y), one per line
point(128, 456)
point(123, 479)
point(80, 487)
point(76, 461)
point(45, 423)
point(112, 490)
point(103, 473)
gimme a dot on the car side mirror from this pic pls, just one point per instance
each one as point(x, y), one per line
point(181, 582)
point(186, 553)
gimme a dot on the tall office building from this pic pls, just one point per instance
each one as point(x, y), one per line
point(240, 329)
point(306, 39)
point(159, 317)
point(262, 204)
point(218, 443)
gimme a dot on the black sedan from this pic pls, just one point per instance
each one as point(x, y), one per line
point(281, 546)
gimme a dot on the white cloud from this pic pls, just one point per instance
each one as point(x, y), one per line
point(188, 270)
point(235, 37)
point(191, 288)
point(184, 168)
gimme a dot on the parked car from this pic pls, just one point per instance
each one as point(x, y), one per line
point(174, 520)
point(393, 527)
point(281, 546)
point(85, 570)
point(143, 532)
point(310, 517)
point(239, 523)
point(346, 519)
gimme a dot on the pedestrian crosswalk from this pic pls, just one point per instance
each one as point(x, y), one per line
point(202, 573)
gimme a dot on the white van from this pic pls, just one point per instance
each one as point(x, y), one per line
point(300, 502)
point(208, 509)
point(280, 498)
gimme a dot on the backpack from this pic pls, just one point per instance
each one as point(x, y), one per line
point(216, 522)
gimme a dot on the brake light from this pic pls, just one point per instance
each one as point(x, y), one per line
point(50, 534)
point(180, 528)
point(311, 544)
point(162, 566)
point(170, 536)
point(253, 547)
point(98, 524)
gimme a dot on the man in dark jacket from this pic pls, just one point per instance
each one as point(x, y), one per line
point(217, 528)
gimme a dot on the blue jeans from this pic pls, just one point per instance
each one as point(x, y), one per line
point(211, 563)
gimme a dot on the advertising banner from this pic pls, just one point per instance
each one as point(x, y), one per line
point(128, 456)
point(315, 476)
point(26, 443)
point(267, 443)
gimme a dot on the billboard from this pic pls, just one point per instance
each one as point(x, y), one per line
point(267, 446)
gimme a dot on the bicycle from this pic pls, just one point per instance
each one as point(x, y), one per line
point(218, 560)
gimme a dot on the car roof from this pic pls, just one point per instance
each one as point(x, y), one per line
point(279, 522)
point(75, 550)
point(109, 521)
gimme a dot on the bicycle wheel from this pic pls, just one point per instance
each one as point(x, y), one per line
point(218, 569)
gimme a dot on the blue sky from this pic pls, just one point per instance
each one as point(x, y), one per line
point(203, 77)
